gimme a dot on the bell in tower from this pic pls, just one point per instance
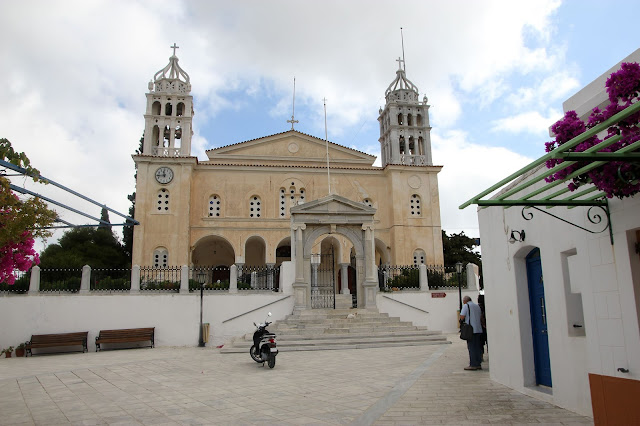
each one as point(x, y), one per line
point(168, 119)
point(405, 134)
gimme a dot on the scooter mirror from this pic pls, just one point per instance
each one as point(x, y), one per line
point(269, 314)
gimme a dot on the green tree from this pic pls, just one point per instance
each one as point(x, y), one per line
point(127, 231)
point(459, 248)
point(97, 247)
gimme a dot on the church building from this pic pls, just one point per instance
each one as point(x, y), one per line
point(238, 206)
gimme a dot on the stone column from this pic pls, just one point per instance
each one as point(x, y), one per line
point(424, 280)
point(85, 281)
point(370, 284)
point(314, 274)
point(184, 279)
point(233, 279)
point(135, 279)
point(344, 272)
point(34, 282)
point(300, 287)
point(270, 274)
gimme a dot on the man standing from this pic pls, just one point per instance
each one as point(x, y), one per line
point(471, 314)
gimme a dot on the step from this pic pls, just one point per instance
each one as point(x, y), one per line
point(323, 329)
point(229, 350)
point(330, 342)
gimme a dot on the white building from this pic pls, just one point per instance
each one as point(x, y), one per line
point(571, 338)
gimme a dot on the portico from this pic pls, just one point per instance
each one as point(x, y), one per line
point(332, 215)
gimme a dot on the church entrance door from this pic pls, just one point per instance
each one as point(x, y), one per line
point(323, 283)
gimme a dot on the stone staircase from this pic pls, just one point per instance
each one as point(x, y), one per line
point(327, 329)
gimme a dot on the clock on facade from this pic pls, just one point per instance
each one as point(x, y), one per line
point(164, 175)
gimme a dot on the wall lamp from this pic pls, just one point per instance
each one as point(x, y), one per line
point(516, 236)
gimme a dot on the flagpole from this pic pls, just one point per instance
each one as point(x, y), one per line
point(326, 140)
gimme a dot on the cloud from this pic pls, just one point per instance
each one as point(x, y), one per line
point(75, 73)
point(469, 169)
point(530, 122)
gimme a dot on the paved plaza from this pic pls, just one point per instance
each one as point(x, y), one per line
point(176, 386)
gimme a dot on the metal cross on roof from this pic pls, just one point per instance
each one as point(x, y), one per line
point(400, 61)
point(174, 47)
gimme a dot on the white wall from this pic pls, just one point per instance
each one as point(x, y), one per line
point(176, 317)
point(442, 312)
point(577, 266)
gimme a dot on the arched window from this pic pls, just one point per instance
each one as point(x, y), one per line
point(255, 206)
point(215, 206)
point(177, 141)
point(402, 145)
point(400, 119)
point(163, 200)
point(409, 120)
point(155, 108)
point(412, 146)
point(367, 202)
point(419, 257)
point(414, 205)
point(419, 120)
point(160, 257)
point(180, 109)
point(283, 204)
point(166, 136)
point(420, 145)
point(295, 196)
point(168, 109)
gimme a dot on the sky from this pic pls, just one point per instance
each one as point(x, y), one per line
point(74, 76)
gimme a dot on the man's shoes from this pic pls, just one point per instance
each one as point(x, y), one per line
point(473, 368)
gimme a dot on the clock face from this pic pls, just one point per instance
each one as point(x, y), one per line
point(164, 175)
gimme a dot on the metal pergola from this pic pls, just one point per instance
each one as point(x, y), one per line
point(517, 191)
point(129, 221)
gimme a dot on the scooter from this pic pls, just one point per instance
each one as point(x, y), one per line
point(264, 347)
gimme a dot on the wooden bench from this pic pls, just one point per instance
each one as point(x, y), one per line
point(125, 336)
point(57, 340)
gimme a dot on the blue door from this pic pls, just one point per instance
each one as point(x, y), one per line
point(538, 319)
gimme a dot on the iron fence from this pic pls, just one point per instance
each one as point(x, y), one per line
point(402, 277)
point(20, 285)
point(445, 277)
point(60, 280)
point(214, 278)
point(263, 277)
point(165, 279)
point(407, 277)
point(110, 280)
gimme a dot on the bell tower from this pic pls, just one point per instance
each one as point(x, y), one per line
point(405, 134)
point(169, 114)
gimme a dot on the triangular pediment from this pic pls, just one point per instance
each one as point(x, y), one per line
point(290, 148)
point(333, 204)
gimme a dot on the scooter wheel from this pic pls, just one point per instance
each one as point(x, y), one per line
point(254, 354)
point(272, 361)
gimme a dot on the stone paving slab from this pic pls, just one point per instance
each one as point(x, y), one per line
point(195, 386)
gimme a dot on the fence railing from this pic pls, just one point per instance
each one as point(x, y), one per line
point(165, 279)
point(110, 280)
point(400, 277)
point(232, 279)
point(60, 280)
point(213, 278)
point(258, 278)
point(20, 285)
point(409, 277)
